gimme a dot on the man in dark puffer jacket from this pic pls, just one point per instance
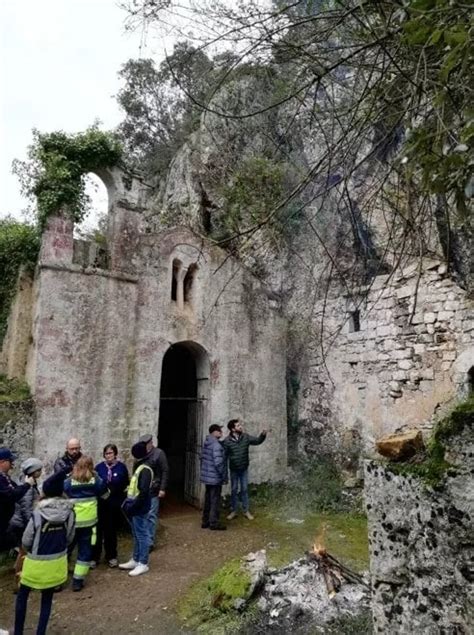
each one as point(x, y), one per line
point(213, 475)
point(236, 445)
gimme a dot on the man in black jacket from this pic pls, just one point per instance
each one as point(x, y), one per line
point(70, 457)
point(10, 493)
point(158, 462)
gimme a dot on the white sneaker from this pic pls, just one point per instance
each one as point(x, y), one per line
point(139, 569)
point(131, 564)
point(232, 515)
point(92, 564)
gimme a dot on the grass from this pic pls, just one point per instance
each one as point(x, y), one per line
point(207, 607)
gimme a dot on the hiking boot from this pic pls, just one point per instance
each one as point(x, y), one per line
point(248, 515)
point(128, 566)
point(93, 564)
point(113, 562)
point(77, 584)
point(139, 569)
point(232, 515)
point(218, 527)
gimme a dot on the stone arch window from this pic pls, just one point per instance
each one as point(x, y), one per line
point(188, 282)
point(175, 279)
point(90, 233)
point(354, 321)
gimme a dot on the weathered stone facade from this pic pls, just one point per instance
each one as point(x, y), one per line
point(100, 336)
point(422, 547)
point(387, 362)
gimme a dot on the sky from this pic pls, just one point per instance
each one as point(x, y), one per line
point(58, 71)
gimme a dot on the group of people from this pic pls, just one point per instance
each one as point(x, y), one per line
point(82, 505)
point(79, 505)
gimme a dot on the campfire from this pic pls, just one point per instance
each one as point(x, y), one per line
point(334, 572)
point(316, 590)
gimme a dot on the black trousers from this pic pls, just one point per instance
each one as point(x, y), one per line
point(212, 505)
point(22, 605)
point(109, 521)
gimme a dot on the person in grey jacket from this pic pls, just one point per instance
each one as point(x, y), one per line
point(213, 475)
point(24, 507)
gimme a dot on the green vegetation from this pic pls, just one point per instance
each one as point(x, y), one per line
point(56, 168)
point(207, 606)
point(19, 246)
point(211, 600)
point(13, 390)
point(315, 486)
point(432, 468)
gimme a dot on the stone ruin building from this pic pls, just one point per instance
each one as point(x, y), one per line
point(168, 333)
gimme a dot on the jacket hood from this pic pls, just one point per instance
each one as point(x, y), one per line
point(210, 440)
point(55, 510)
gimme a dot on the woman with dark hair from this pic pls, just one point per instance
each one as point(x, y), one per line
point(84, 487)
point(114, 473)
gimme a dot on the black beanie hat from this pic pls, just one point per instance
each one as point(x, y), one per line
point(139, 450)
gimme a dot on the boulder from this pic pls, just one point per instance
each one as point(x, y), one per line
point(400, 446)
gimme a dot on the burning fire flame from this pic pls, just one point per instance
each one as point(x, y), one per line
point(318, 547)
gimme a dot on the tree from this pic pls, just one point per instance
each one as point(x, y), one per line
point(384, 88)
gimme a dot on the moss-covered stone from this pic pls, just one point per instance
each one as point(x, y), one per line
point(433, 466)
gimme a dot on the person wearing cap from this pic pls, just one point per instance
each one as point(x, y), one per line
point(136, 507)
point(24, 507)
point(213, 475)
point(236, 445)
point(10, 494)
point(66, 462)
point(158, 462)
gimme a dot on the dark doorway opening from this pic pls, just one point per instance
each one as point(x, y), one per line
point(470, 382)
point(181, 419)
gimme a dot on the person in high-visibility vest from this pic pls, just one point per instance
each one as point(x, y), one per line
point(136, 506)
point(83, 487)
point(47, 535)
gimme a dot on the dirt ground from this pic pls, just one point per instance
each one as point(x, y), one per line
point(112, 601)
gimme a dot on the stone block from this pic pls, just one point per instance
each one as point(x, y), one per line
point(384, 331)
point(450, 355)
point(451, 305)
point(399, 375)
point(446, 365)
point(419, 349)
point(405, 364)
point(445, 316)
point(418, 318)
point(400, 446)
point(406, 291)
point(403, 353)
point(429, 318)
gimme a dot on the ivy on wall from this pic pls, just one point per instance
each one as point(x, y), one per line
point(54, 173)
point(19, 245)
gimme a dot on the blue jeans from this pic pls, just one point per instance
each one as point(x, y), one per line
point(21, 606)
point(152, 519)
point(140, 535)
point(242, 477)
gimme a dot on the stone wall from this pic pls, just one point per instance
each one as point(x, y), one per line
point(17, 420)
point(100, 336)
point(404, 355)
point(422, 547)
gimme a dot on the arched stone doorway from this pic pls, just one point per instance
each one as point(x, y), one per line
point(183, 416)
